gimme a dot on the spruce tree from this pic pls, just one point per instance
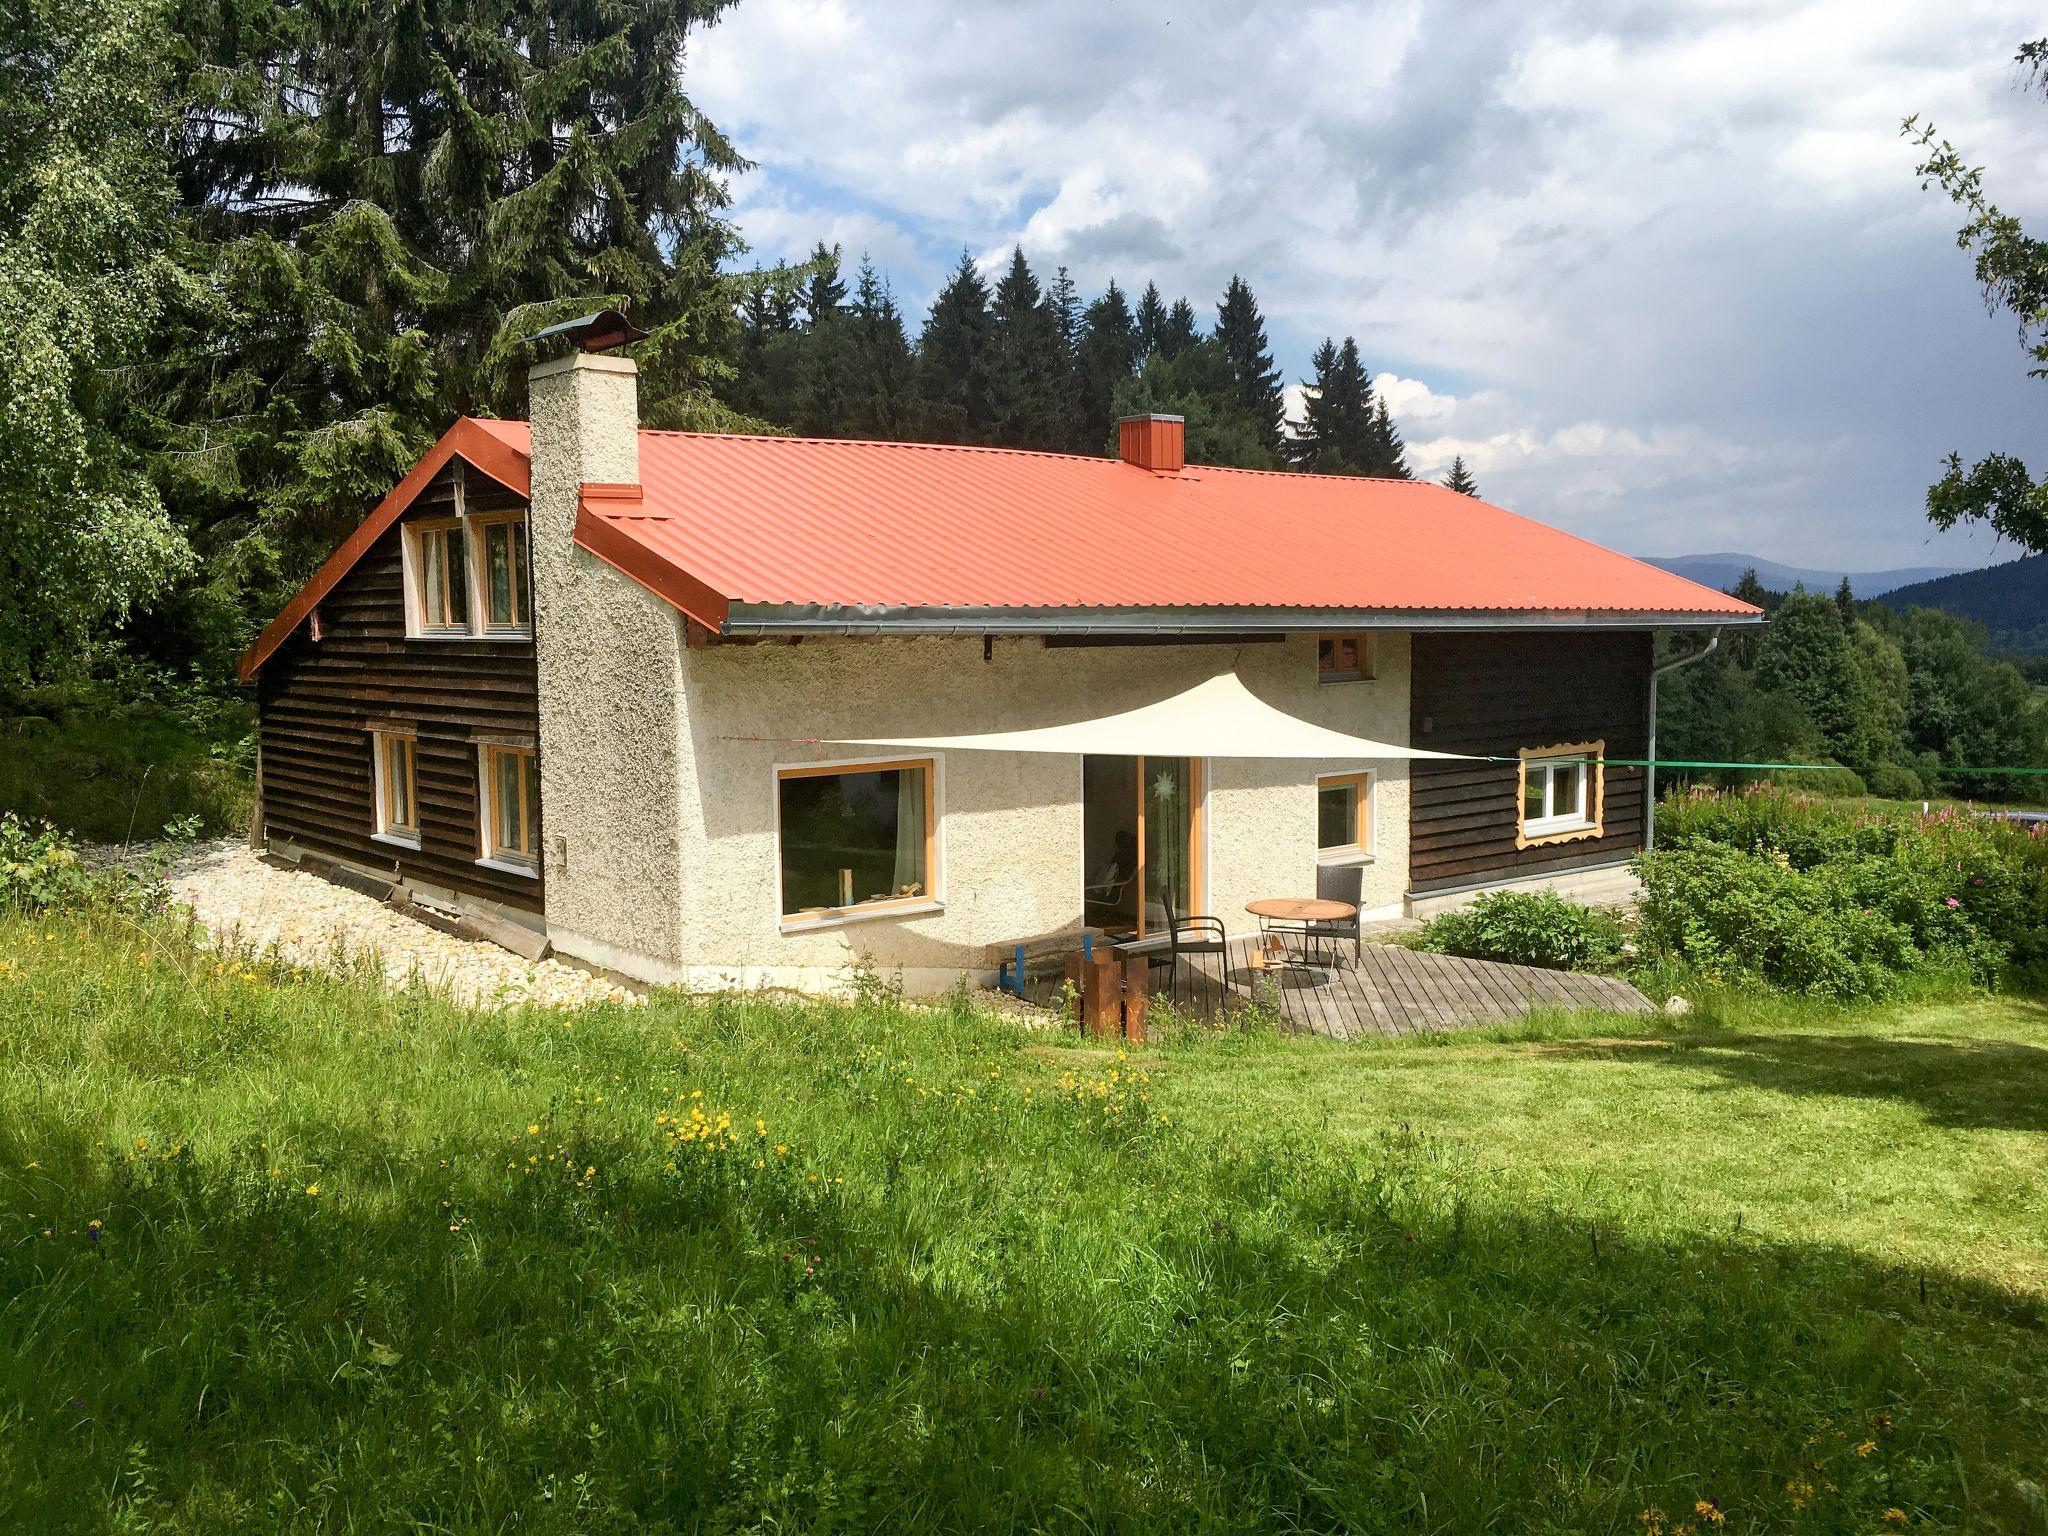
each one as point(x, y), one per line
point(882, 402)
point(1179, 330)
point(1845, 600)
point(1029, 389)
point(1197, 383)
point(1338, 434)
point(953, 360)
point(389, 198)
point(823, 291)
point(1256, 382)
point(1460, 478)
point(1390, 454)
point(1150, 322)
point(1104, 357)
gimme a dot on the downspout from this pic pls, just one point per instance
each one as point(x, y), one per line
point(1650, 765)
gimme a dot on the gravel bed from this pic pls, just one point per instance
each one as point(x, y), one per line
point(308, 921)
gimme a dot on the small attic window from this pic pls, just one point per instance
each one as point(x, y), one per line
point(468, 577)
point(1344, 658)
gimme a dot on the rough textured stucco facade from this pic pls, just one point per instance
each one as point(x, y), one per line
point(610, 668)
point(1010, 825)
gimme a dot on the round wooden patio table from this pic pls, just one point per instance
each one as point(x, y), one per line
point(1298, 912)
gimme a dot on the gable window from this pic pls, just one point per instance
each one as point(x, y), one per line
point(395, 816)
point(1561, 789)
point(511, 808)
point(1344, 817)
point(856, 837)
point(1344, 658)
point(468, 577)
point(503, 558)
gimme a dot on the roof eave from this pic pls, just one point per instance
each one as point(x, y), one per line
point(748, 619)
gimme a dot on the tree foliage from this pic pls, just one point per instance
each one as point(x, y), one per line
point(1460, 478)
point(2012, 267)
point(86, 279)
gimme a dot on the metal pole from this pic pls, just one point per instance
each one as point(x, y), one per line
point(1650, 767)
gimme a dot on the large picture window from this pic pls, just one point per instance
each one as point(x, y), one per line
point(1344, 816)
point(395, 787)
point(511, 807)
point(1561, 789)
point(856, 837)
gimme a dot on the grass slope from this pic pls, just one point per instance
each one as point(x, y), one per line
point(368, 1262)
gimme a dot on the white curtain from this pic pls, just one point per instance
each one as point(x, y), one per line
point(910, 868)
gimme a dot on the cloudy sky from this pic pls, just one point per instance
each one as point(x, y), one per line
point(1662, 272)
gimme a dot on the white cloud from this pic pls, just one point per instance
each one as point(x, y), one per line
point(1663, 269)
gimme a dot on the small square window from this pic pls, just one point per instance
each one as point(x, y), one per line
point(395, 815)
point(1344, 658)
point(1344, 816)
point(1561, 792)
point(511, 807)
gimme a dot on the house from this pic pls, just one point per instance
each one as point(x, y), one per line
point(604, 685)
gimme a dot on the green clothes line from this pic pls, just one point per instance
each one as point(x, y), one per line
point(1665, 762)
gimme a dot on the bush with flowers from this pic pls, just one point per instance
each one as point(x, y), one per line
point(1796, 893)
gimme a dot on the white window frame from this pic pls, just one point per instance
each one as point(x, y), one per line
point(382, 830)
point(1556, 825)
point(489, 855)
point(865, 911)
point(1368, 657)
point(469, 527)
point(1366, 849)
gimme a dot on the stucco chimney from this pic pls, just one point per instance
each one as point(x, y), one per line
point(1154, 442)
point(609, 657)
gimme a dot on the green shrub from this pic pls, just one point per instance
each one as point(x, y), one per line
point(39, 868)
point(1844, 902)
point(1830, 779)
point(1526, 928)
point(1889, 781)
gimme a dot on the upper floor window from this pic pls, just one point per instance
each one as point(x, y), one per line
point(1344, 658)
point(395, 815)
point(468, 577)
point(1562, 789)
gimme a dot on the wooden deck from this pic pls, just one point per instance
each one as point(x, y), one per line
point(1391, 991)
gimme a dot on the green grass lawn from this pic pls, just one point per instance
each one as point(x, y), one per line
point(369, 1262)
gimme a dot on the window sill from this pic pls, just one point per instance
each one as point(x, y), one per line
point(1534, 835)
point(1331, 682)
point(1330, 858)
point(472, 636)
point(397, 840)
point(511, 867)
point(840, 916)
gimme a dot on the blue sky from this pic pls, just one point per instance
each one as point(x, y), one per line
point(1662, 272)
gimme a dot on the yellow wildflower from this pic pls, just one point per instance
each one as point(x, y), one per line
point(312, 1189)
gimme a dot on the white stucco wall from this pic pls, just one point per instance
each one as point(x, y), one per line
point(1010, 826)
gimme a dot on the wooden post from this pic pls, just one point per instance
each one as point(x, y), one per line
point(1137, 999)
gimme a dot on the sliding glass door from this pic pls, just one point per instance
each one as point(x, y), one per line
point(1141, 840)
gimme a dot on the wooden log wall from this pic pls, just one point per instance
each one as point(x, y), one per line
point(317, 700)
point(1494, 694)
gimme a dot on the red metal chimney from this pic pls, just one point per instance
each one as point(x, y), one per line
point(1154, 442)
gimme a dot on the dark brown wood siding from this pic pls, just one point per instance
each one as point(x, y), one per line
point(1495, 695)
point(318, 700)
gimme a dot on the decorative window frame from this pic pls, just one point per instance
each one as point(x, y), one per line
point(382, 829)
point(1552, 829)
point(1366, 849)
point(1368, 658)
point(488, 854)
point(934, 900)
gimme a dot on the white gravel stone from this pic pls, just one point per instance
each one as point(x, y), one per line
point(305, 920)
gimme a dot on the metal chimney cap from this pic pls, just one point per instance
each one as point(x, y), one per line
point(599, 332)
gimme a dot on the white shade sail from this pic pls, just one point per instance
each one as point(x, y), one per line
point(1217, 718)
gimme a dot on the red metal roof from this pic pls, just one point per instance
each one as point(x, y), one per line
point(806, 522)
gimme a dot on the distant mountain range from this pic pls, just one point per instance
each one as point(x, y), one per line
point(1724, 570)
point(2010, 600)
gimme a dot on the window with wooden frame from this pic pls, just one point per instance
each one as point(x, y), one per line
point(1344, 817)
point(468, 578)
point(1561, 792)
point(437, 579)
point(502, 573)
point(856, 838)
point(394, 782)
point(510, 806)
point(1344, 658)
